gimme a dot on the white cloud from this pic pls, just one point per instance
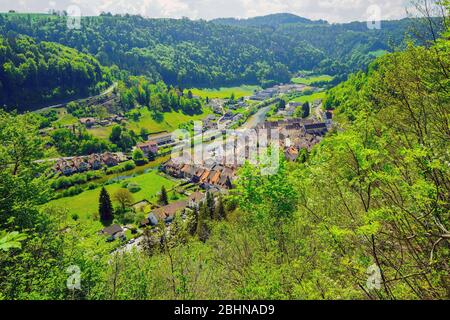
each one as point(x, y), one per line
point(331, 10)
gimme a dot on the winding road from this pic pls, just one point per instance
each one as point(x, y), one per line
point(107, 91)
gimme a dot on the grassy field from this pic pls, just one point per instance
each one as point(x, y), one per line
point(310, 98)
point(312, 79)
point(168, 122)
point(226, 92)
point(136, 171)
point(65, 118)
point(85, 205)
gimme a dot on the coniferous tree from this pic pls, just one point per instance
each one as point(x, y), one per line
point(306, 110)
point(228, 183)
point(105, 206)
point(210, 204)
point(219, 212)
point(163, 198)
point(193, 221)
point(202, 224)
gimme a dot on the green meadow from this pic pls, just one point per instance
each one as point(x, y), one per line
point(311, 97)
point(168, 121)
point(312, 79)
point(85, 205)
point(225, 92)
point(65, 118)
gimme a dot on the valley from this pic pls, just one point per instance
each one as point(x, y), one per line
point(266, 158)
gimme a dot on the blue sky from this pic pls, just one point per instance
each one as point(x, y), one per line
point(331, 10)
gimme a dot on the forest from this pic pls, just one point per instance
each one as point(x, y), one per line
point(374, 192)
point(38, 73)
point(186, 53)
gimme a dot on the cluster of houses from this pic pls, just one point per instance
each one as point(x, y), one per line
point(89, 122)
point(149, 148)
point(237, 104)
point(210, 123)
point(69, 166)
point(164, 214)
point(290, 108)
point(229, 119)
point(276, 90)
point(208, 175)
point(216, 105)
point(162, 139)
point(155, 142)
point(167, 213)
point(298, 133)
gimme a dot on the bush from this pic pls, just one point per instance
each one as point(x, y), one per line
point(75, 217)
point(128, 217)
point(93, 185)
point(133, 187)
point(72, 191)
point(76, 179)
point(129, 166)
point(140, 162)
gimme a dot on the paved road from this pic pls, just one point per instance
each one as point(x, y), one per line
point(107, 91)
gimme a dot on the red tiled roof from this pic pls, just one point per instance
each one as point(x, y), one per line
point(170, 210)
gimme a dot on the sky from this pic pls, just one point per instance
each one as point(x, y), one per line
point(330, 10)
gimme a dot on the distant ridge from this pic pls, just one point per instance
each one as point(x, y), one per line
point(271, 20)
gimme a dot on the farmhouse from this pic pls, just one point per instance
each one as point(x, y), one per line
point(168, 213)
point(162, 139)
point(88, 122)
point(148, 147)
point(115, 231)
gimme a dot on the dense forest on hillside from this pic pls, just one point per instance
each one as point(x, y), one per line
point(373, 197)
point(38, 73)
point(271, 20)
point(211, 54)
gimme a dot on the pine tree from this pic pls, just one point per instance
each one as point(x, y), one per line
point(220, 212)
point(202, 224)
point(193, 221)
point(163, 198)
point(105, 206)
point(210, 204)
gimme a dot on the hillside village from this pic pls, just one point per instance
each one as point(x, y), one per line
point(218, 169)
point(216, 174)
point(267, 158)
